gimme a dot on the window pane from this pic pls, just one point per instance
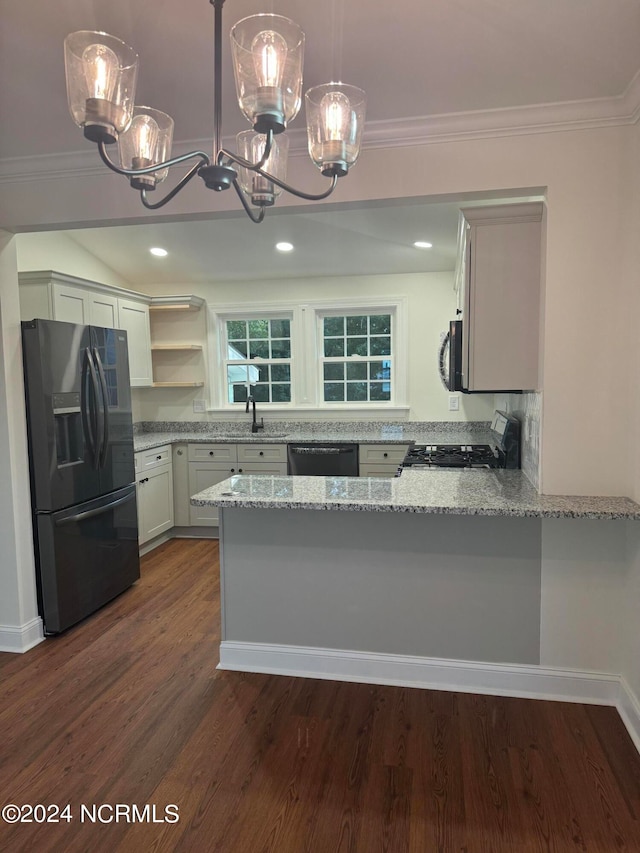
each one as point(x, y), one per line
point(379, 391)
point(281, 393)
point(281, 349)
point(380, 346)
point(263, 373)
point(237, 393)
point(280, 373)
point(380, 370)
point(356, 325)
point(333, 392)
point(357, 346)
point(238, 350)
point(236, 329)
point(334, 371)
point(334, 347)
point(258, 328)
point(357, 370)
point(333, 326)
point(280, 329)
point(258, 349)
point(260, 393)
point(356, 390)
point(380, 324)
point(236, 373)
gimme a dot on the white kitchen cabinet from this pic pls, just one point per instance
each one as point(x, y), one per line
point(133, 317)
point(500, 297)
point(181, 493)
point(380, 460)
point(262, 453)
point(55, 296)
point(202, 475)
point(154, 492)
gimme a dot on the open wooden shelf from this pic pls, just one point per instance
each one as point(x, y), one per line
point(177, 384)
point(175, 347)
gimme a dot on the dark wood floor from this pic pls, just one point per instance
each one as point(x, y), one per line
point(129, 708)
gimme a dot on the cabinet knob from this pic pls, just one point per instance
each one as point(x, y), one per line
point(178, 453)
point(239, 470)
point(262, 453)
point(233, 470)
point(385, 455)
point(158, 458)
point(211, 453)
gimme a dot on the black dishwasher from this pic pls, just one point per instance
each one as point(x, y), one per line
point(335, 459)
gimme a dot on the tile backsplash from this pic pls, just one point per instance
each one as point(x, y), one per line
point(528, 408)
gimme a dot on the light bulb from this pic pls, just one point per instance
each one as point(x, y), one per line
point(146, 137)
point(100, 65)
point(269, 51)
point(336, 116)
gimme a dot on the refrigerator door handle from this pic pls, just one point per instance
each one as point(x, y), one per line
point(105, 409)
point(91, 513)
point(88, 411)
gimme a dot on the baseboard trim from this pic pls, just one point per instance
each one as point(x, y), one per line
point(629, 709)
point(21, 638)
point(529, 681)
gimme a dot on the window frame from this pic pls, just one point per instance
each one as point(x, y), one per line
point(307, 350)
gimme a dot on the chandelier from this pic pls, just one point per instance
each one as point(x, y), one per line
point(267, 52)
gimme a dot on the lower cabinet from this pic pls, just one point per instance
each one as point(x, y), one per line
point(210, 464)
point(154, 493)
point(381, 460)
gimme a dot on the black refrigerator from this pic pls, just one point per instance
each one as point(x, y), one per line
point(83, 494)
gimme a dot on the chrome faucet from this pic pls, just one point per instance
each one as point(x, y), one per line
point(255, 426)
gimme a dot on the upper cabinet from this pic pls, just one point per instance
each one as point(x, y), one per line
point(54, 296)
point(498, 282)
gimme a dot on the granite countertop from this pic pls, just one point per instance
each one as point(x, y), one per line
point(453, 433)
point(439, 491)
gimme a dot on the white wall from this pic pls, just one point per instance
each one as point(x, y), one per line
point(20, 626)
point(53, 250)
point(430, 305)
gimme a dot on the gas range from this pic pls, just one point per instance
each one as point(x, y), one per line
point(453, 456)
point(502, 452)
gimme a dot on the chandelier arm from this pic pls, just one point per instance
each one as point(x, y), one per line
point(247, 164)
point(299, 193)
point(148, 170)
point(257, 218)
point(174, 192)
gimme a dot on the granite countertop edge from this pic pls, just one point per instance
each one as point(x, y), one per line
point(482, 493)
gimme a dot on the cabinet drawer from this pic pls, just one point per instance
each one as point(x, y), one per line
point(378, 470)
point(212, 453)
point(385, 453)
point(146, 459)
point(262, 453)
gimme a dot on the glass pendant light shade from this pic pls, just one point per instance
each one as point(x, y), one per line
point(268, 52)
point(261, 190)
point(335, 119)
point(101, 74)
point(146, 141)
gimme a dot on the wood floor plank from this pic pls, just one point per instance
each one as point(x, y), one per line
point(129, 708)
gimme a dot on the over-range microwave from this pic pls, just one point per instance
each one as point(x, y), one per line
point(453, 371)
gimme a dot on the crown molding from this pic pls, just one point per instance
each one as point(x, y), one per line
point(589, 114)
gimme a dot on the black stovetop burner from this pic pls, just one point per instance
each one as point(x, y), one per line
point(453, 456)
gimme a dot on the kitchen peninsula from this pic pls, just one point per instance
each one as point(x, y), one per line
point(449, 579)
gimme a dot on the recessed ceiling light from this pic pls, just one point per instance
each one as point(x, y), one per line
point(158, 252)
point(284, 247)
point(422, 244)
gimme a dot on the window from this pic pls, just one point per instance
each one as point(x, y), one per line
point(258, 355)
point(356, 358)
point(347, 354)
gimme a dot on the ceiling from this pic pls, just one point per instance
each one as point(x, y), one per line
point(416, 59)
